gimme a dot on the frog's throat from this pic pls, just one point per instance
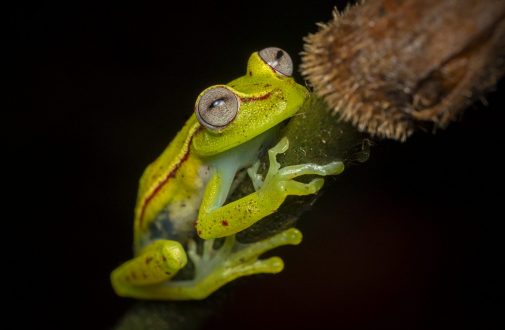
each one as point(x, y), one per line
point(183, 156)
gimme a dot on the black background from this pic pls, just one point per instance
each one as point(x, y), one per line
point(412, 239)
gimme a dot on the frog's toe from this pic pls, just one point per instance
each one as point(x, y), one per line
point(281, 147)
point(271, 265)
point(256, 179)
point(292, 187)
point(293, 171)
point(332, 168)
point(251, 252)
point(314, 185)
point(292, 236)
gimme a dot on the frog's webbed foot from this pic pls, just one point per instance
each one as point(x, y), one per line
point(217, 267)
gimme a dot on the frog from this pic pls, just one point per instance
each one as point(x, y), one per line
point(182, 210)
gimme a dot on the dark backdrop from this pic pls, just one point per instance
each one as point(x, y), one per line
point(410, 240)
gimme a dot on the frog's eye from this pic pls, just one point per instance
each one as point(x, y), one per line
point(278, 60)
point(217, 107)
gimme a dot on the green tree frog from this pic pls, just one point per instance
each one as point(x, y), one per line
point(182, 194)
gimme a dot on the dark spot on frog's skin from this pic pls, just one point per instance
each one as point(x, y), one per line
point(168, 273)
point(133, 275)
point(199, 233)
point(164, 258)
point(250, 73)
point(144, 276)
point(183, 204)
point(224, 223)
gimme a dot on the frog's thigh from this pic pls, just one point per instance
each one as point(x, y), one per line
point(158, 262)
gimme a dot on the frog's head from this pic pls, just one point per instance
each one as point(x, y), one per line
point(234, 113)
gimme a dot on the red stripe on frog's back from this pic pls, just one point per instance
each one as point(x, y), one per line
point(160, 182)
point(256, 98)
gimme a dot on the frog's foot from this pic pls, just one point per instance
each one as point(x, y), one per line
point(280, 180)
point(217, 267)
point(157, 263)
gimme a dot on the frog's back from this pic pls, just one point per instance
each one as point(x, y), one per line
point(169, 190)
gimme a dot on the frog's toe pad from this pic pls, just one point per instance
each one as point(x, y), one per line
point(271, 265)
point(293, 236)
point(292, 187)
point(281, 147)
point(333, 168)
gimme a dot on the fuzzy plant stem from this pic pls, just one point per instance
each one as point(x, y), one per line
point(392, 67)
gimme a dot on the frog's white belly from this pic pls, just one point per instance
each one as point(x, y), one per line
point(183, 214)
point(176, 221)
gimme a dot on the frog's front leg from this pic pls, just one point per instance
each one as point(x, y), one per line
point(278, 184)
point(158, 262)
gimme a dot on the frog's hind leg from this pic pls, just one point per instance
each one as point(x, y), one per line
point(157, 263)
point(215, 268)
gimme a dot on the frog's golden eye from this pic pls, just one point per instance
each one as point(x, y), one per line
point(217, 107)
point(278, 60)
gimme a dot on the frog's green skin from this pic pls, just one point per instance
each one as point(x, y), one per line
point(182, 193)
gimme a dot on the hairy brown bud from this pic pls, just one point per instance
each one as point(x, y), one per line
point(389, 65)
